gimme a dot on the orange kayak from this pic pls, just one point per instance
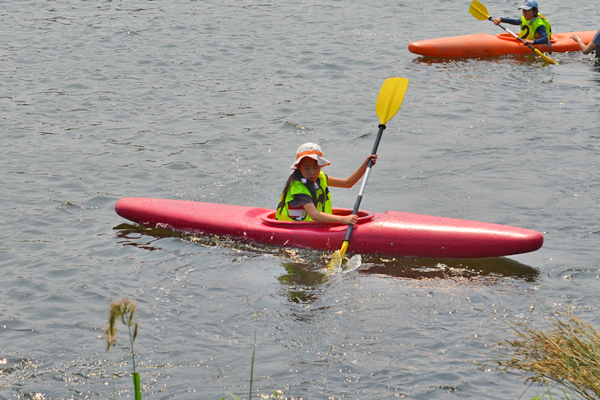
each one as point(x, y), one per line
point(486, 45)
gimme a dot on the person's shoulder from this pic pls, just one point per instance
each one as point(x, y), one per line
point(324, 177)
point(296, 183)
point(297, 186)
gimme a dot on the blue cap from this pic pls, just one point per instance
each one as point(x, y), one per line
point(528, 5)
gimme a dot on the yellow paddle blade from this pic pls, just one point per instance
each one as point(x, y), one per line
point(479, 11)
point(390, 98)
point(545, 57)
point(338, 256)
point(336, 261)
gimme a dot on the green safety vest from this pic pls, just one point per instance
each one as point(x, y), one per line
point(530, 26)
point(322, 201)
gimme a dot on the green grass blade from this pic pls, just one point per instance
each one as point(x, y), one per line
point(252, 367)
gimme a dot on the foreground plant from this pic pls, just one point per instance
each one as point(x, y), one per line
point(234, 397)
point(124, 310)
point(566, 352)
point(276, 394)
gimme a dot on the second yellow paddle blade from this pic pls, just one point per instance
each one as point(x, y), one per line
point(545, 57)
point(479, 11)
point(390, 98)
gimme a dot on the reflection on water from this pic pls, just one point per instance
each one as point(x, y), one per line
point(483, 270)
point(131, 233)
point(145, 238)
point(302, 279)
point(596, 68)
point(517, 59)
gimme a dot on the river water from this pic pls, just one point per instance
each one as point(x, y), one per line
point(208, 101)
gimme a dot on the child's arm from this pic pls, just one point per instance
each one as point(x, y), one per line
point(352, 179)
point(323, 217)
point(507, 21)
point(543, 37)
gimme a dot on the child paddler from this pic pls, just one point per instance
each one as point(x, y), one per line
point(535, 28)
point(306, 196)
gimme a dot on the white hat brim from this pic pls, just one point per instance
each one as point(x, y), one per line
point(322, 162)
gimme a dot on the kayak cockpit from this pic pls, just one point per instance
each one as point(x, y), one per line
point(269, 218)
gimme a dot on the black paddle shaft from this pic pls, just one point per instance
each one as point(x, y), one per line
point(364, 184)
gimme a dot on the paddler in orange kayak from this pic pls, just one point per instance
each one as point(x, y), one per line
point(306, 196)
point(535, 28)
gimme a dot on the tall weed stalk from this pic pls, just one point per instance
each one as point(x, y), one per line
point(234, 397)
point(124, 310)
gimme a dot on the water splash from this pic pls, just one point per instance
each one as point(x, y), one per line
point(336, 267)
point(353, 264)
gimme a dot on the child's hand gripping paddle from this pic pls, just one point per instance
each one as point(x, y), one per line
point(480, 12)
point(388, 103)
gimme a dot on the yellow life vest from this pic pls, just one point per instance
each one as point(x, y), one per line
point(529, 27)
point(322, 201)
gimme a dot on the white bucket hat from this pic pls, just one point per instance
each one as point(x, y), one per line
point(311, 150)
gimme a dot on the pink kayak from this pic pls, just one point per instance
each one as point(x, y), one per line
point(486, 45)
point(392, 233)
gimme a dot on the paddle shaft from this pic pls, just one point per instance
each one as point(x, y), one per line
point(516, 36)
point(364, 182)
point(388, 103)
